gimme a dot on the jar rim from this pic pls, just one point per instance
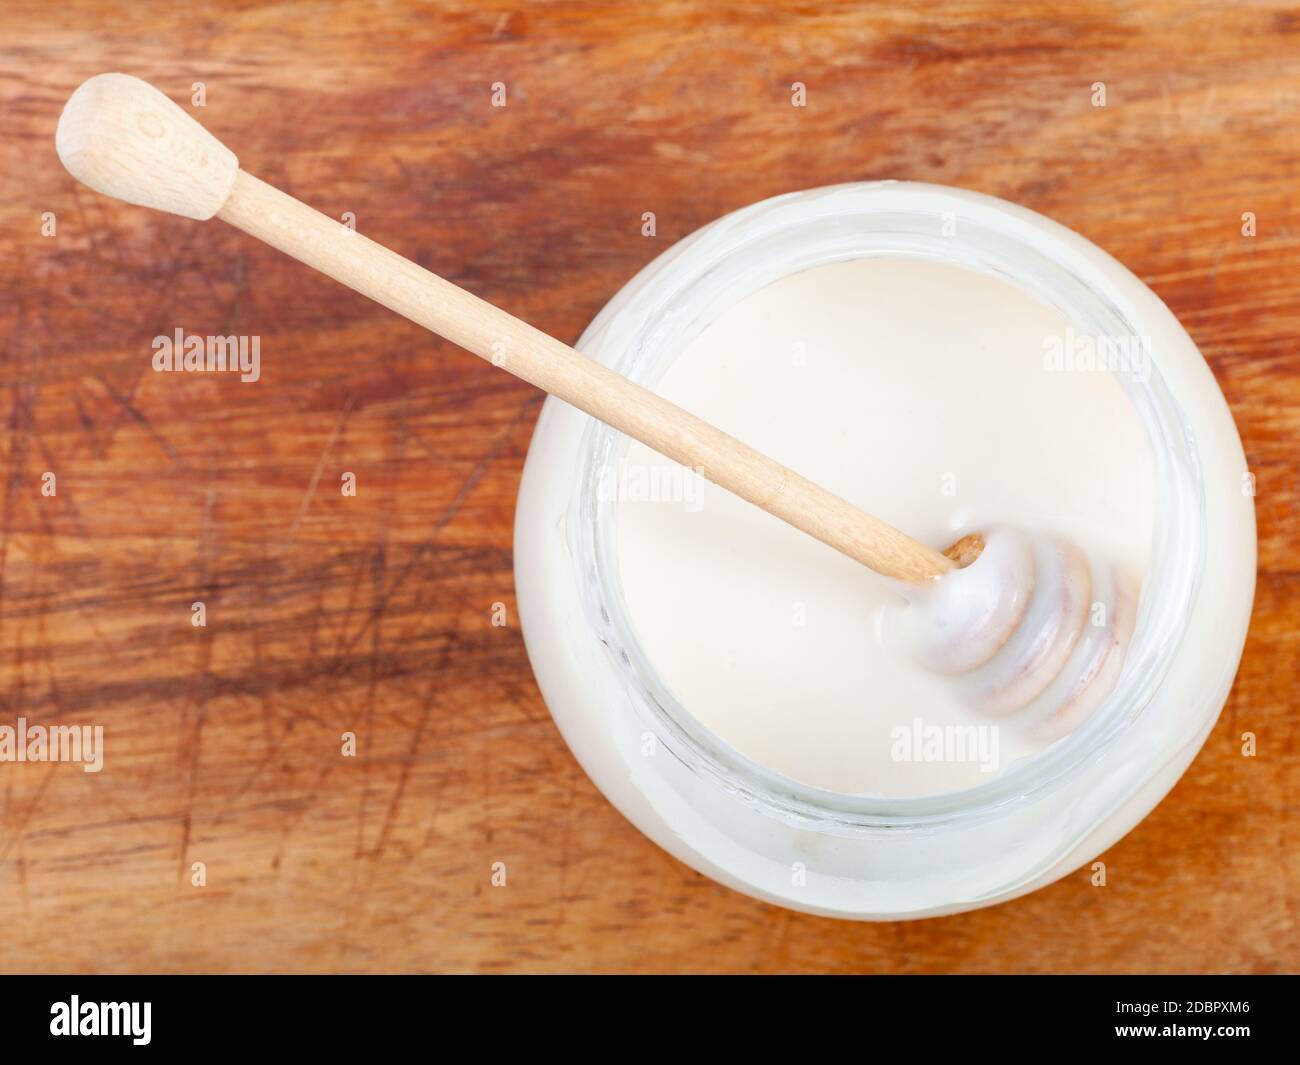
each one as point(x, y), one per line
point(680, 292)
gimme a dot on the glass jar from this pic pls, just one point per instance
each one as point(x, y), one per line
point(869, 857)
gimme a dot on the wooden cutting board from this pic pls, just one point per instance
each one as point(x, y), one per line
point(371, 613)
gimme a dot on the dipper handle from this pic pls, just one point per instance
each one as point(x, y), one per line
point(124, 138)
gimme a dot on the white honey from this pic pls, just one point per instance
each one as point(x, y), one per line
point(929, 395)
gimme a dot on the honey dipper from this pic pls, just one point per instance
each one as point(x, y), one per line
point(1005, 614)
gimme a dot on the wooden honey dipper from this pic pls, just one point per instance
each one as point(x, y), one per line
point(1015, 637)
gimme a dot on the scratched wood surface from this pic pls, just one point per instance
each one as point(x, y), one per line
point(371, 614)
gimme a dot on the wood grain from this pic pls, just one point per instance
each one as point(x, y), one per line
point(371, 613)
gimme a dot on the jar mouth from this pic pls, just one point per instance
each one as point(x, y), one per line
point(679, 294)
